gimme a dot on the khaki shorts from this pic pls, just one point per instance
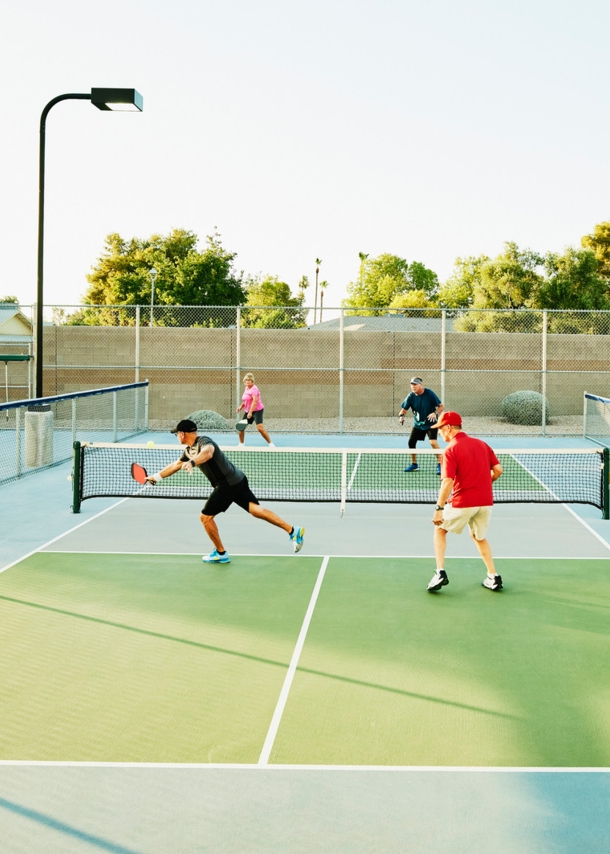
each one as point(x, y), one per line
point(455, 520)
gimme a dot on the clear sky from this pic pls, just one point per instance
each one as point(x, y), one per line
point(303, 129)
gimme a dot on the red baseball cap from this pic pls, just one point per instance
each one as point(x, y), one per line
point(453, 419)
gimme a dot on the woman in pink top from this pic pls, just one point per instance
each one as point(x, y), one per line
point(253, 408)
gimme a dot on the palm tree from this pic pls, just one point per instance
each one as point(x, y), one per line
point(315, 305)
point(363, 256)
point(322, 286)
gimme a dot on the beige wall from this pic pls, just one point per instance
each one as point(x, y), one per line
point(298, 370)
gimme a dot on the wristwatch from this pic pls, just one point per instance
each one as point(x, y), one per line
point(438, 507)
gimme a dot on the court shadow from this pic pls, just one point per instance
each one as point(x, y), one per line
point(52, 824)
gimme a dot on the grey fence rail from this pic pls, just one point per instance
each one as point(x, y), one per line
point(40, 433)
point(346, 374)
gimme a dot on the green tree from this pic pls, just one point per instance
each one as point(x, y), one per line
point(412, 303)
point(386, 277)
point(511, 280)
point(573, 282)
point(599, 243)
point(458, 290)
point(272, 305)
point(185, 276)
point(9, 301)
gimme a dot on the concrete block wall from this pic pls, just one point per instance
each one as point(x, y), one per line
point(298, 370)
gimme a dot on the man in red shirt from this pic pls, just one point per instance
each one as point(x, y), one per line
point(465, 497)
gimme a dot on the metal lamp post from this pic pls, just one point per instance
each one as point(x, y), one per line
point(153, 275)
point(103, 99)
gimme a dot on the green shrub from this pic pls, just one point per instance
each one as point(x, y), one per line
point(207, 419)
point(524, 407)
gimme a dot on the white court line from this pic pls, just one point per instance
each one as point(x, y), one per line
point(376, 556)
point(588, 527)
point(242, 766)
point(356, 464)
point(281, 703)
point(65, 534)
point(565, 506)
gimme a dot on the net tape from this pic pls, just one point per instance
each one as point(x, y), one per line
point(340, 475)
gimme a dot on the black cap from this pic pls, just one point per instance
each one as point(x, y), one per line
point(185, 426)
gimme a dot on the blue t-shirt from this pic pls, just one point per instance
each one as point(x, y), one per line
point(422, 405)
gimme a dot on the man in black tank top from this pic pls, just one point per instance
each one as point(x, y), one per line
point(230, 487)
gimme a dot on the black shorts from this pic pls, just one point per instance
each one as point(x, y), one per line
point(257, 415)
point(418, 435)
point(223, 496)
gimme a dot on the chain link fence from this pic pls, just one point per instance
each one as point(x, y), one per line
point(348, 373)
point(40, 433)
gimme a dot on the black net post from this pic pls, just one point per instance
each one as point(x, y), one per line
point(76, 478)
point(606, 484)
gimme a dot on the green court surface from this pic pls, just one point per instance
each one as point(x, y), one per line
point(158, 658)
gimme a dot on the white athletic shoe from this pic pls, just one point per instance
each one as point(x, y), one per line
point(438, 580)
point(493, 582)
point(271, 445)
point(241, 447)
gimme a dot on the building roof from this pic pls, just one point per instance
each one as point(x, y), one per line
point(15, 327)
point(387, 323)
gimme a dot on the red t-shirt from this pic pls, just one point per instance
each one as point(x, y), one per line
point(469, 462)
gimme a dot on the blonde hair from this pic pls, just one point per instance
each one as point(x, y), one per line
point(249, 376)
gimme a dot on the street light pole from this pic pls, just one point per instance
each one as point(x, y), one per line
point(103, 99)
point(153, 275)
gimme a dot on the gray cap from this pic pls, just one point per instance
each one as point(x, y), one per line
point(416, 381)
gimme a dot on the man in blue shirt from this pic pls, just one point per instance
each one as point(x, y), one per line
point(426, 406)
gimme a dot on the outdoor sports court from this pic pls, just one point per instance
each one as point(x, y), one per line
point(319, 701)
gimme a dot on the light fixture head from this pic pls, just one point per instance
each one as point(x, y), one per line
point(122, 100)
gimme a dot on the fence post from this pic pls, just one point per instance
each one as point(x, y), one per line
point(114, 416)
point(443, 352)
point(146, 389)
point(137, 354)
point(18, 439)
point(544, 362)
point(584, 414)
point(237, 357)
point(73, 421)
point(341, 369)
point(30, 370)
point(137, 360)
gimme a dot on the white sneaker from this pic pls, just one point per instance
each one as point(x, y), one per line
point(271, 445)
point(493, 582)
point(241, 447)
point(438, 580)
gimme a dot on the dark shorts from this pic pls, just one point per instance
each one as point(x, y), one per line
point(223, 496)
point(418, 435)
point(258, 419)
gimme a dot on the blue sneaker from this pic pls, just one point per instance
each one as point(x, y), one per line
point(215, 557)
point(297, 538)
point(438, 468)
point(412, 467)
